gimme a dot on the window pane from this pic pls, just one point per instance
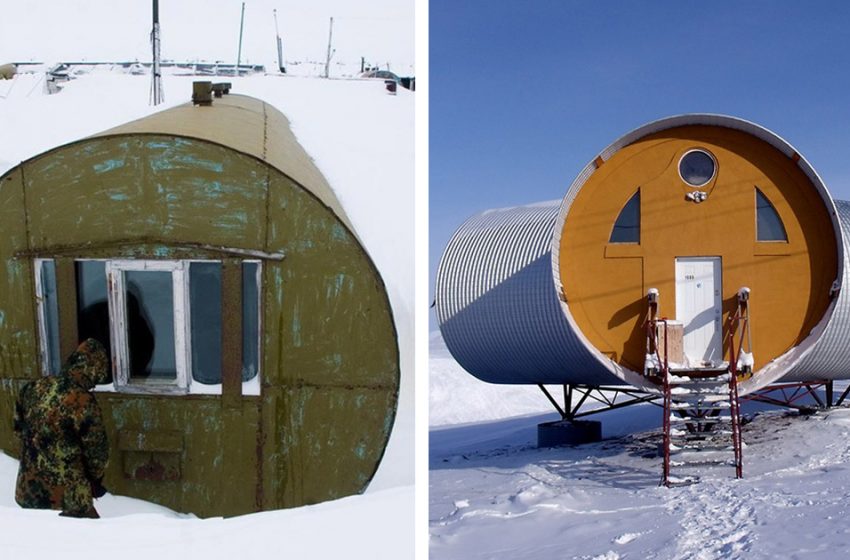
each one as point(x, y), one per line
point(768, 223)
point(205, 305)
point(697, 168)
point(51, 315)
point(627, 227)
point(92, 306)
point(250, 321)
point(150, 325)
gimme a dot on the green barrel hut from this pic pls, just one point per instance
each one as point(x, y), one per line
point(254, 356)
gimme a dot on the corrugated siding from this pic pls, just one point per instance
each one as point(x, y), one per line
point(830, 358)
point(497, 306)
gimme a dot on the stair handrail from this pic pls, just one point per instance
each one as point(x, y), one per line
point(651, 324)
point(741, 319)
point(741, 316)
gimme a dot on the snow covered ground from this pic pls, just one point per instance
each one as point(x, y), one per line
point(362, 140)
point(493, 494)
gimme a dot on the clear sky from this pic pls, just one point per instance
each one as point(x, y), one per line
point(525, 93)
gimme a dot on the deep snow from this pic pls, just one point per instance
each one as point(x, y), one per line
point(493, 494)
point(362, 140)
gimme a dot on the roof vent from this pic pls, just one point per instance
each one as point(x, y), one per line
point(220, 89)
point(202, 93)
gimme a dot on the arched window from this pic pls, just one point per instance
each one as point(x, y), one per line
point(769, 225)
point(627, 227)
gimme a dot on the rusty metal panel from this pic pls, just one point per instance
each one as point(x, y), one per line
point(247, 125)
point(186, 453)
point(151, 455)
point(322, 458)
point(67, 296)
point(328, 316)
point(330, 363)
point(164, 188)
point(18, 346)
point(231, 332)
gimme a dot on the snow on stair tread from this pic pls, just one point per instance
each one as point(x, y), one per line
point(704, 390)
point(710, 381)
point(710, 405)
point(705, 461)
point(682, 449)
point(698, 420)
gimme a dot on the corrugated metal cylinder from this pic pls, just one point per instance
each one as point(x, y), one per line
point(498, 285)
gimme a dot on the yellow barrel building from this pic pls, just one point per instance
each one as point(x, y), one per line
point(696, 212)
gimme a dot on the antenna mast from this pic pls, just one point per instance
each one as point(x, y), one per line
point(241, 26)
point(157, 93)
point(330, 53)
point(280, 64)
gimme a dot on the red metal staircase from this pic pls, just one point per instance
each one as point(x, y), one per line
point(702, 418)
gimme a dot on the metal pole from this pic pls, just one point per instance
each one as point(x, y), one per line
point(280, 64)
point(328, 60)
point(157, 94)
point(241, 26)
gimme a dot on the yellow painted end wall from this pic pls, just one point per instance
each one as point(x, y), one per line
point(605, 284)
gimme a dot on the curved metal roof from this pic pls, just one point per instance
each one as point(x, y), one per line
point(497, 306)
point(247, 125)
point(830, 356)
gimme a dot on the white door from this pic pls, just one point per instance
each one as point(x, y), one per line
point(699, 307)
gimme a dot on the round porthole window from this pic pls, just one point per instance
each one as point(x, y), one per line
point(697, 167)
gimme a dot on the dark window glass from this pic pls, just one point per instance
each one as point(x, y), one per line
point(205, 304)
point(696, 168)
point(51, 315)
point(627, 227)
point(768, 223)
point(150, 325)
point(92, 306)
point(250, 321)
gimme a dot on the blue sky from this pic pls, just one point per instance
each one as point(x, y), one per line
point(524, 93)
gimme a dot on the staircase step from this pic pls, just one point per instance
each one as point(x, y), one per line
point(679, 392)
point(696, 397)
point(698, 420)
point(701, 405)
point(699, 371)
point(703, 462)
point(677, 379)
point(689, 448)
point(697, 436)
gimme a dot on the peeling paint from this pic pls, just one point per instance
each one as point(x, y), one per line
point(296, 326)
point(338, 233)
point(119, 197)
point(108, 165)
point(360, 450)
point(333, 360)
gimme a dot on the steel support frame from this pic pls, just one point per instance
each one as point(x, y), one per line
point(575, 396)
point(793, 392)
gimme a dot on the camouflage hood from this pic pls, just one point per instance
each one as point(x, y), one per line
point(88, 365)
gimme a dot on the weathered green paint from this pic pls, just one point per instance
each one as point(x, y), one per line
point(329, 354)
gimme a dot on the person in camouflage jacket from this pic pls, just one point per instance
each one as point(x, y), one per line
point(64, 449)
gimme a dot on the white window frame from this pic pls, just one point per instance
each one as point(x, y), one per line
point(115, 282)
point(116, 296)
point(41, 309)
